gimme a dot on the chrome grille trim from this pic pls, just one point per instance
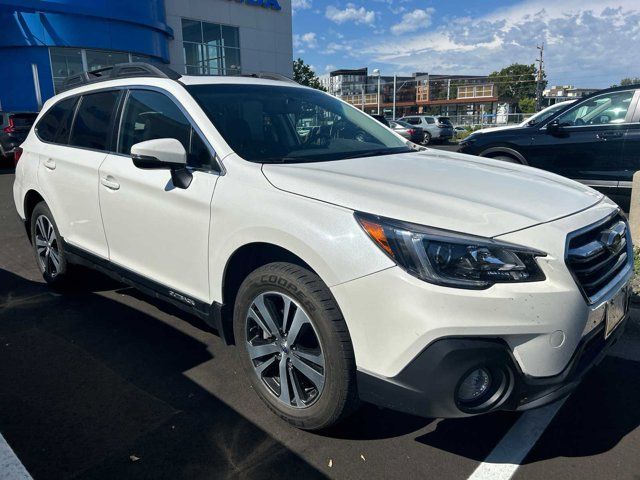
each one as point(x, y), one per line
point(598, 259)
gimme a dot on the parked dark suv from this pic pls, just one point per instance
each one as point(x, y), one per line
point(595, 141)
point(14, 127)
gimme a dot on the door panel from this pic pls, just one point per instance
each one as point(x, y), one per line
point(155, 229)
point(589, 144)
point(69, 180)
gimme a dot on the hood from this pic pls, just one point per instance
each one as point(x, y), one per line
point(446, 190)
point(497, 129)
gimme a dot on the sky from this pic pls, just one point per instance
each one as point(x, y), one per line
point(588, 43)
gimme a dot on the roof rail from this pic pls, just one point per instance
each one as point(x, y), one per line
point(120, 70)
point(270, 76)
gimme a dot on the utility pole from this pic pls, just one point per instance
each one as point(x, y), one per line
point(540, 77)
point(395, 82)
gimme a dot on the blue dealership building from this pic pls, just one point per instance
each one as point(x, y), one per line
point(44, 41)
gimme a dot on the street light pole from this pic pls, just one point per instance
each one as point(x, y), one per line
point(376, 73)
point(395, 81)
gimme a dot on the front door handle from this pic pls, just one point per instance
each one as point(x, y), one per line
point(110, 183)
point(50, 163)
point(608, 135)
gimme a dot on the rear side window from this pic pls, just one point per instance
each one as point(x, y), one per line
point(55, 124)
point(91, 128)
point(413, 120)
point(150, 115)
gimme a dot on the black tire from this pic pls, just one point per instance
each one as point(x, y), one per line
point(61, 275)
point(427, 138)
point(506, 158)
point(339, 396)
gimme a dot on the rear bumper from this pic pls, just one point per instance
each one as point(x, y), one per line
point(428, 385)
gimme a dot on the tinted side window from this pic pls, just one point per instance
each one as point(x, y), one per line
point(413, 121)
point(91, 128)
point(429, 120)
point(608, 108)
point(150, 115)
point(54, 125)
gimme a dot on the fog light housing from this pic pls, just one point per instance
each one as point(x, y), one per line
point(474, 386)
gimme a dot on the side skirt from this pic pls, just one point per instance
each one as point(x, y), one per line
point(211, 314)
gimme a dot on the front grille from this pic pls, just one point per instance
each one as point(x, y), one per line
point(597, 255)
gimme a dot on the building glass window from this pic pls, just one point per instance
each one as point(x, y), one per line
point(71, 61)
point(65, 62)
point(210, 48)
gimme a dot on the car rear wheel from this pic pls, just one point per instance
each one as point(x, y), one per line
point(47, 245)
point(294, 346)
point(427, 138)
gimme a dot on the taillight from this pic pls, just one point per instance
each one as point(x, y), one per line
point(11, 127)
point(411, 131)
point(17, 153)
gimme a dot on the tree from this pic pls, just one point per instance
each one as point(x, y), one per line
point(627, 81)
point(527, 105)
point(517, 82)
point(304, 75)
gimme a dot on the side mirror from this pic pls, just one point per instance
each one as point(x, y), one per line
point(554, 127)
point(163, 153)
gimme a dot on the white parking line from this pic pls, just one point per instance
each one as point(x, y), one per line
point(11, 467)
point(505, 458)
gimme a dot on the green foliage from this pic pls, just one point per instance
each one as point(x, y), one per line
point(627, 81)
point(527, 105)
point(304, 75)
point(517, 82)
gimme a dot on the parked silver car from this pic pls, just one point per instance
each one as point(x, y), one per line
point(436, 128)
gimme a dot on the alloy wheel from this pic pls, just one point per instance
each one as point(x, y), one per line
point(47, 246)
point(285, 350)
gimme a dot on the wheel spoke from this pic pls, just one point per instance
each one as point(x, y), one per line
point(269, 321)
point(284, 382)
point(285, 314)
point(299, 319)
point(309, 355)
point(264, 365)
point(51, 234)
point(257, 351)
point(316, 378)
point(297, 389)
point(55, 260)
point(40, 227)
point(40, 242)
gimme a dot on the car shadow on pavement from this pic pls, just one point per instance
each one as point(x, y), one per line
point(93, 388)
point(599, 414)
point(593, 420)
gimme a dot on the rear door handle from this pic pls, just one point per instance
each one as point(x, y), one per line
point(607, 135)
point(110, 183)
point(50, 163)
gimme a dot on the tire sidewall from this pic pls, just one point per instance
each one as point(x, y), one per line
point(336, 370)
point(427, 138)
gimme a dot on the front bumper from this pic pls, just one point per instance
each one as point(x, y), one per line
point(427, 387)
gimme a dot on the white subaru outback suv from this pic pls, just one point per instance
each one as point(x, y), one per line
point(343, 264)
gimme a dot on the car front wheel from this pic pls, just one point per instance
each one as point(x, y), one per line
point(294, 346)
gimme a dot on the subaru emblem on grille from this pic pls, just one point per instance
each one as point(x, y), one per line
point(612, 237)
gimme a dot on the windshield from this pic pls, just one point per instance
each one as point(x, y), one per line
point(264, 123)
point(544, 114)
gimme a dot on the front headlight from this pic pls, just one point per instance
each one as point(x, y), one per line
point(450, 258)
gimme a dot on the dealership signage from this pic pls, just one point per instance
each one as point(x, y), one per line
point(271, 4)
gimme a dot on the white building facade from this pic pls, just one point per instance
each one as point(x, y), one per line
point(222, 37)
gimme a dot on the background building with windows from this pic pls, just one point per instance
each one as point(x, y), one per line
point(465, 97)
point(44, 41)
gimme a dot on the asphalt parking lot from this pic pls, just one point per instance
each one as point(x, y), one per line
point(104, 382)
